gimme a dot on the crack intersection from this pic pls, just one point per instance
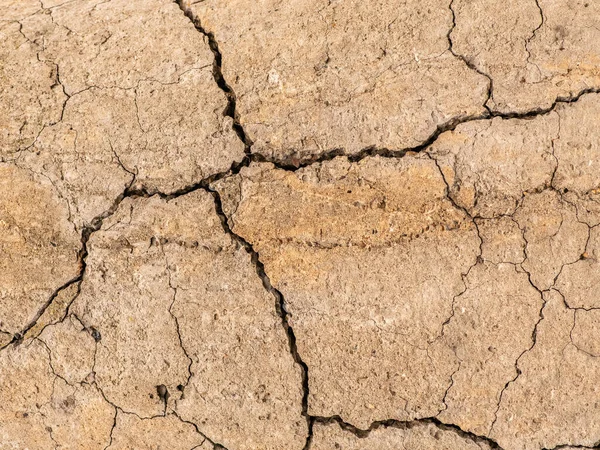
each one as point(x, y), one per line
point(290, 164)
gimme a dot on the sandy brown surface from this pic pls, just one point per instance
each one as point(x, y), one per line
point(320, 224)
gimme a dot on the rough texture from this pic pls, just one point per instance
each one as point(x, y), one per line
point(40, 409)
point(415, 286)
point(488, 165)
point(304, 225)
point(168, 432)
point(534, 51)
point(112, 110)
point(31, 97)
point(38, 244)
point(304, 86)
point(557, 379)
point(198, 323)
point(490, 328)
point(329, 236)
point(419, 437)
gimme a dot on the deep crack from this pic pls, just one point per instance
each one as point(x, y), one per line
point(290, 164)
point(404, 425)
point(279, 304)
point(231, 109)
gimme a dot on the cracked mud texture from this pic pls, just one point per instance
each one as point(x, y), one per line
point(304, 86)
point(303, 225)
point(122, 94)
point(420, 437)
point(198, 322)
point(533, 51)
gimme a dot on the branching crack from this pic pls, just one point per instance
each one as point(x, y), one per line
point(87, 231)
point(290, 164)
point(469, 64)
point(294, 163)
point(216, 445)
point(21, 334)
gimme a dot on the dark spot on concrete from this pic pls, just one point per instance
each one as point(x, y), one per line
point(96, 334)
point(163, 393)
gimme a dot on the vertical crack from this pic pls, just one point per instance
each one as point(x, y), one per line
point(279, 307)
point(114, 425)
point(231, 109)
point(527, 350)
point(181, 387)
point(469, 64)
point(535, 30)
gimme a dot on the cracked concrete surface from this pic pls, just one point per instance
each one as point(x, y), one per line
point(420, 436)
point(303, 225)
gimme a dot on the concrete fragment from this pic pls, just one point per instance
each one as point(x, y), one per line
point(184, 323)
point(314, 76)
point(585, 334)
point(79, 417)
point(577, 152)
point(56, 310)
point(22, 395)
point(579, 282)
point(72, 349)
point(30, 93)
point(368, 257)
point(38, 246)
point(425, 436)
point(502, 240)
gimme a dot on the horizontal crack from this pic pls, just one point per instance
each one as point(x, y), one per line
point(235, 168)
point(404, 425)
point(570, 446)
point(292, 164)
